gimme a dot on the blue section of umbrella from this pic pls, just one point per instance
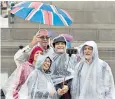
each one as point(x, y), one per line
point(42, 13)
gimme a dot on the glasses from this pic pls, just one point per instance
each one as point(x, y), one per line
point(44, 37)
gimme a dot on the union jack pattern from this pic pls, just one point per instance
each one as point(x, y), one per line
point(42, 13)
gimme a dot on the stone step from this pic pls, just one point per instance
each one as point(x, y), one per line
point(24, 34)
point(27, 24)
point(16, 43)
point(105, 49)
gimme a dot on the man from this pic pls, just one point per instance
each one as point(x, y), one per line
point(22, 55)
point(41, 39)
point(93, 77)
point(63, 68)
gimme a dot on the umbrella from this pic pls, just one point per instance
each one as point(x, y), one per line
point(42, 13)
point(52, 34)
point(40, 5)
point(68, 37)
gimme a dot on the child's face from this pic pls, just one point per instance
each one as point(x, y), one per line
point(46, 65)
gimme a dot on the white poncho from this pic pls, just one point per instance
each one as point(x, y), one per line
point(94, 81)
point(39, 85)
point(63, 68)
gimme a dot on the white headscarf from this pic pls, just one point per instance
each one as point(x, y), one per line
point(98, 82)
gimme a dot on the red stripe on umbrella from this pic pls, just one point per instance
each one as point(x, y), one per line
point(36, 5)
point(15, 10)
point(47, 17)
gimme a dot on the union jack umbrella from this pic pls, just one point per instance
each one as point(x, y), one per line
point(42, 13)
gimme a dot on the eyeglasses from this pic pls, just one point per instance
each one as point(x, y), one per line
point(44, 37)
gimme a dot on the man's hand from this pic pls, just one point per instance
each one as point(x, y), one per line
point(35, 40)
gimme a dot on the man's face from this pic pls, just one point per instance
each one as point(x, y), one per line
point(88, 50)
point(44, 39)
point(60, 47)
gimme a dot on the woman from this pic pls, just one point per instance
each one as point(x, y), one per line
point(63, 67)
point(39, 84)
point(19, 76)
point(93, 77)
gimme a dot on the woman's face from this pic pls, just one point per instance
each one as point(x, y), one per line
point(46, 65)
point(88, 50)
point(38, 53)
point(60, 47)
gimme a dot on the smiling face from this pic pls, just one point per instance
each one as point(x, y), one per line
point(88, 51)
point(38, 53)
point(44, 38)
point(44, 41)
point(60, 47)
point(46, 65)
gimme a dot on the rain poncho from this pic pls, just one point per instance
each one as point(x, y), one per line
point(17, 79)
point(63, 67)
point(94, 81)
point(19, 76)
point(39, 84)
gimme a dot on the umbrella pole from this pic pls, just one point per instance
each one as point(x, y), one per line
point(39, 27)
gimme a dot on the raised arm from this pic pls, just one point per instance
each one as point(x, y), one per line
point(22, 55)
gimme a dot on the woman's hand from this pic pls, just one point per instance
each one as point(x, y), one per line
point(65, 89)
point(60, 92)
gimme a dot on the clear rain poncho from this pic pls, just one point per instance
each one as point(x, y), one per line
point(94, 81)
point(39, 84)
point(63, 67)
point(16, 80)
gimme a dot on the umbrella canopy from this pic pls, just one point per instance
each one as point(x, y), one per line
point(68, 37)
point(40, 5)
point(52, 34)
point(42, 13)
